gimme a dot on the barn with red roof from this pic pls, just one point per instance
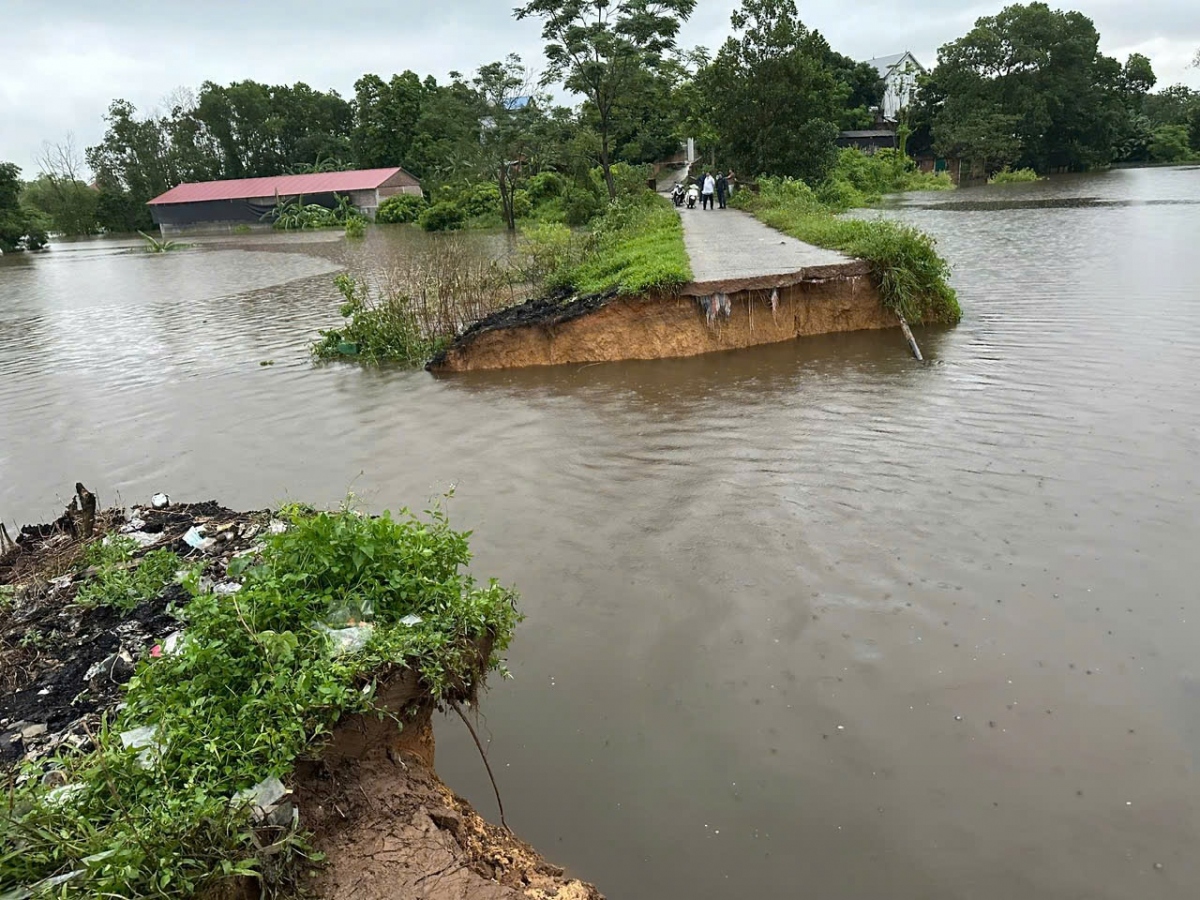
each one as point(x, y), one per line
point(244, 201)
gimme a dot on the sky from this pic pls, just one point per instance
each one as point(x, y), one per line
point(64, 61)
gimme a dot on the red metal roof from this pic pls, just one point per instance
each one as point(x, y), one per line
point(284, 185)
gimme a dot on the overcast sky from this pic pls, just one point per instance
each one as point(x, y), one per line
point(63, 61)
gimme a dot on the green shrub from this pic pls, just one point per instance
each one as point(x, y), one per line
point(480, 199)
point(443, 216)
point(400, 209)
point(839, 194)
point(630, 180)
point(580, 205)
point(1170, 144)
point(913, 279)
point(242, 229)
point(1008, 176)
point(550, 253)
point(546, 186)
point(253, 685)
point(356, 227)
point(376, 329)
point(120, 582)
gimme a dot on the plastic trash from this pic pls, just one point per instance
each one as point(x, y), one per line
point(143, 539)
point(226, 588)
point(171, 645)
point(160, 501)
point(268, 801)
point(135, 524)
point(144, 739)
point(61, 795)
point(348, 640)
point(195, 539)
point(411, 620)
point(277, 527)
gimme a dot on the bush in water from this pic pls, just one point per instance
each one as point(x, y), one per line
point(400, 209)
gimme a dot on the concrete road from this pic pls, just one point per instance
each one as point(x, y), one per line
point(727, 244)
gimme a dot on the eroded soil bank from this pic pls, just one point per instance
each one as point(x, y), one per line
point(368, 797)
point(703, 318)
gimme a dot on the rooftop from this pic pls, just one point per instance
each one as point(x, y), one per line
point(282, 185)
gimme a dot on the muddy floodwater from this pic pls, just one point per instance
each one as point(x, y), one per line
point(805, 620)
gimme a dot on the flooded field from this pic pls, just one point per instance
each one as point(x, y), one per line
point(809, 619)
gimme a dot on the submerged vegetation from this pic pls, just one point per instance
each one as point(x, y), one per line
point(156, 245)
point(296, 215)
point(409, 314)
point(1011, 176)
point(322, 614)
point(912, 277)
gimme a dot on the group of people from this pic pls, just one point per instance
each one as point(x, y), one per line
point(710, 189)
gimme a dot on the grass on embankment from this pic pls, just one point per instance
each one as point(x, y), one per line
point(634, 247)
point(913, 279)
point(255, 682)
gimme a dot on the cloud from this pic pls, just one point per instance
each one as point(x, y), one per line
point(66, 61)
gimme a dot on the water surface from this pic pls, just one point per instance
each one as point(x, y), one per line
point(810, 619)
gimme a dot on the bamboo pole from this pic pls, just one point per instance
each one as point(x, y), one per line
point(908, 336)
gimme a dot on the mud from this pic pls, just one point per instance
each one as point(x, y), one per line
point(610, 328)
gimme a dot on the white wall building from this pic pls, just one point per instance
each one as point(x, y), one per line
point(899, 73)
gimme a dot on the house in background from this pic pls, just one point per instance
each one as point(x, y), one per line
point(869, 140)
point(899, 73)
point(246, 201)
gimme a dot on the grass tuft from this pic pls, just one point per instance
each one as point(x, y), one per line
point(1010, 176)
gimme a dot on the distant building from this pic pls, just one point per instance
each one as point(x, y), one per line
point(868, 140)
point(899, 73)
point(244, 201)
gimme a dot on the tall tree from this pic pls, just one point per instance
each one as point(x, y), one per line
point(776, 101)
point(601, 47)
point(508, 126)
point(1028, 86)
point(386, 114)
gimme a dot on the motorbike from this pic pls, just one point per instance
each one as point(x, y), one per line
point(677, 194)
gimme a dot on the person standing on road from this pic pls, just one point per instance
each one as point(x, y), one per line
point(706, 192)
point(722, 189)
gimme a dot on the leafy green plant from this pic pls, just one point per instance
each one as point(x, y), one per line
point(242, 229)
point(356, 227)
point(154, 245)
point(255, 683)
point(121, 581)
point(400, 209)
point(1010, 176)
point(296, 215)
point(376, 328)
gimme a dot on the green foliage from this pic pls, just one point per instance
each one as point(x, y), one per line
point(242, 229)
point(912, 277)
point(601, 50)
point(860, 179)
point(634, 247)
point(1029, 87)
point(155, 245)
point(121, 582)
point(580, 205)
point(20, 228)
point(776, 94)
point(401, 209)
point(255, 683)
point(1011, 176)
point(376, 329)
point(446, 215)
point(356, 227)
point(69, 204)
point(545, 186)
point(1170, 143)
point(296, 215)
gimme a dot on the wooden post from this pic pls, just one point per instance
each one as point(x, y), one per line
point(908, 336)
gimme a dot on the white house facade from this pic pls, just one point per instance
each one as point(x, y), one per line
point(899, 73)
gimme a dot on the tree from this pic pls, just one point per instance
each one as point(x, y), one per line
point(61, 191)
point(509, 128)
point(1033, 81)
point(386, 115)
point(601, 47)
point(19, 228)
point(776, 101)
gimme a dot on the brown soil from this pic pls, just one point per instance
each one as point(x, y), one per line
point(390, 828)
point(610, 328)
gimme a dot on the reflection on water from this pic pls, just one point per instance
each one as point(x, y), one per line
point(805, 618)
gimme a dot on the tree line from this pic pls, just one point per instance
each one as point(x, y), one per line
point(1026, 87)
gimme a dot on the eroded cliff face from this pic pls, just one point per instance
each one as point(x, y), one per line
point(647, 327)
point(390, 828)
